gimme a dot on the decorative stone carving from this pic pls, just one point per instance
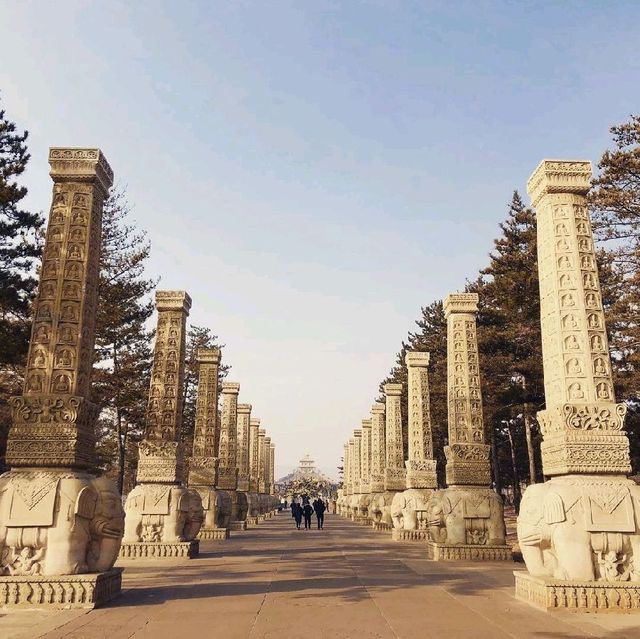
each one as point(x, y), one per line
point(365, 472)
point(394, 471)
point(203, 468)
point(578, 532)
point(244, 418)
point(160, 510)
point(58, 521)
point(254, 467)
point(468, 512)
point(421, 467)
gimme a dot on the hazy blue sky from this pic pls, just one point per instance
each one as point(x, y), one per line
point(314, 172)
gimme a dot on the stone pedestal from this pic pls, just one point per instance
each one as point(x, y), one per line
point(61, 592)
point(400, 534)
point(213, 534)
point(160, 550)
point(579, 596)
point(468, 552)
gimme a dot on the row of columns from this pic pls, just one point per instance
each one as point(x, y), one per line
point(62, 523)
point(390, 492)
point(578, 532)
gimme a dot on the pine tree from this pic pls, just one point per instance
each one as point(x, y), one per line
point(123, 342)
point(615, 211)
point(509, 335)
point(197, 337)
point(20, 248)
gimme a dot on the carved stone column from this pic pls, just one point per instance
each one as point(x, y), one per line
point(244, 419)
point(394, 471)
point(262, 464)
point(254, 469)
point(465, 520)
point(272, 461)
point(578, 533)
point(203, 468)
point(164, 518)
point(378, 448)
point(60, 524)
point(228, 466)
point(408, 506)
point(355, 457)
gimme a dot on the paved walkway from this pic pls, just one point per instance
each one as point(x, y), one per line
point(343, 582)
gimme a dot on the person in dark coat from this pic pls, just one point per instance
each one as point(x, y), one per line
point(319, 506)
point(308, 511)
point(296, 513)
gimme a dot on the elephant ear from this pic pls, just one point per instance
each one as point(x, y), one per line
point(86, 503)
point(553, 509)
point(447, 508)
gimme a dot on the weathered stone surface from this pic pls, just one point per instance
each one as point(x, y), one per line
point(406, 505)
point(579, 596)
point(581, 527)
point(394, 470)
point(61, 592)
point(254, 456)
point(160, 550)
point(468, 552)
point(57, 520)
point(243, 435)
point(378, 448)
point(468, 512)
point(401, 534)
point(213, 534)
point(159, 509)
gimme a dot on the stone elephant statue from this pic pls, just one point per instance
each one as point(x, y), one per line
point(217, 507)
point(161, 513)
point(362, 509)
point(405, 506)
point(466, 515)
point(581, 528)
point(380, 508)
point(58, 523)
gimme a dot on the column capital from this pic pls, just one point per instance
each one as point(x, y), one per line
point(69, 164)
point(208, 355)
point(173, 301)
point(559, 176)
point(366, 423)
point(460, 303)
point(357, 433)
point(230, 388)
point(393, 390)
point(417, 358)
point(377, 408)
point(244, 409)
point(255, 421)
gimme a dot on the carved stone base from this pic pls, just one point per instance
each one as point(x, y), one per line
point(581, 596)
point(468, 552)
point(60, 592)
point(253, 521)
point(381, 526)
point(213, 534)
point(238, 525)
point(160, 550)
point(400, 534)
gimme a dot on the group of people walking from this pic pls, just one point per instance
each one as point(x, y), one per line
point(306, 510)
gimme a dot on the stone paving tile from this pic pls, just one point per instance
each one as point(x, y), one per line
point(344, 582)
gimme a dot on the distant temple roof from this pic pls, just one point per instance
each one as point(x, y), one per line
point(307, 468)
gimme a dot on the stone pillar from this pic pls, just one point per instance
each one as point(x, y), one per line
point(58, 517)
point(272, 481)
point(465, 520)
point(365, 457)
point(378, 448)
point(164, 518)
point(228, 466)
point(351, 469)
point(244, 419)
point(254, 468)
point(262, 489)
point(394, 471)
point(408, 509)
point(578, 527)
point(203, 467)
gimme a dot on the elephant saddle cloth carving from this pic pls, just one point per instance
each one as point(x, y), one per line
point(608, 508)
point(32, 503)
point(476, 507)
point(205, 495)
point(156, 500)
